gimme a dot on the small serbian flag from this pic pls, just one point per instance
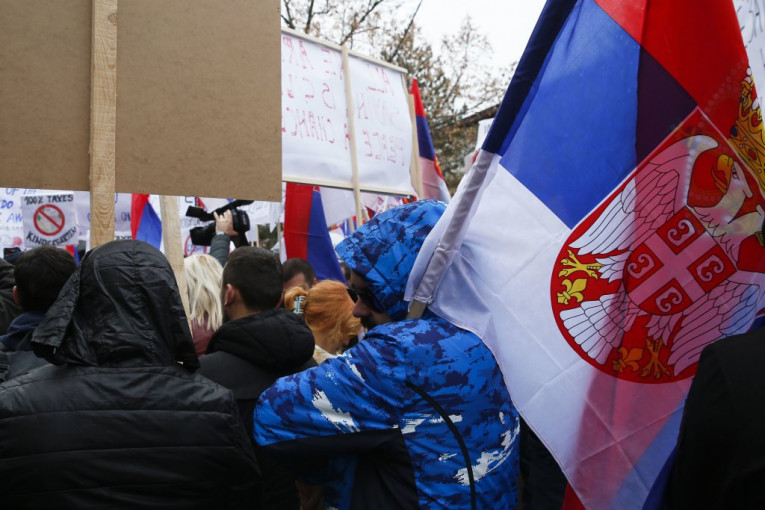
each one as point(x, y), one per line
point(72, 249)
point(305, 231)
point(145, 225)
point(433, 183)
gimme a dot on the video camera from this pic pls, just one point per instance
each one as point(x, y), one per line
point(202, 236)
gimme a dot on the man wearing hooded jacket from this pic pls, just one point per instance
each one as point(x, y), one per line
point(415, 416)
point(258, 343)
point(119, 420)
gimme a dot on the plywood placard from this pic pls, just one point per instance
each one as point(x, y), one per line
point(45, 93)
point(198, 98)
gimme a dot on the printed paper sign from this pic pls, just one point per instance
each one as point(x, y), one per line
point(49, 219)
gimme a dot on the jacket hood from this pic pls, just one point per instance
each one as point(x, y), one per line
point(383, 250)
point(121, 307)
point(277, 340)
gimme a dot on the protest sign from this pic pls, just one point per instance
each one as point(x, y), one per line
point(383, 126)
point(49, 220)
point(198, 96)
point(324, 117)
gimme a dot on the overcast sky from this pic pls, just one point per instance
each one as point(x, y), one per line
point(506, 23)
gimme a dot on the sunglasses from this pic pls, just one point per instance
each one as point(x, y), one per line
point(366, 297)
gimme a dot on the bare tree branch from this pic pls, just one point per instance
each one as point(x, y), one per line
point(289, 20)
point(406, 32)
point(309, 17)
point(357, 22)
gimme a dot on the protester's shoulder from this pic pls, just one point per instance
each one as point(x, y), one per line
point(216, 360)
point(736, 358)
point(738, 346)
point(276, 320)
point(287, 318)
point(20, 395)
point(424, 342)
point(423, 331)
point(84, 387)
point(37, 376)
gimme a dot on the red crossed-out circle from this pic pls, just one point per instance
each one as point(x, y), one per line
point(190, 248)
point(49, 220)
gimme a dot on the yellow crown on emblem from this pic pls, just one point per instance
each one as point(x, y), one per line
point(747, 135)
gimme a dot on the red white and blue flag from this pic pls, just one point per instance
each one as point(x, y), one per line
point(145, 224)
point(610, 229)
point(433, 183)
point(305, 231)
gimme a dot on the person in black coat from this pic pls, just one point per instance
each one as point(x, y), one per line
point(40, 274)
point(720, 458)
point(259, 343)
point(119, 420)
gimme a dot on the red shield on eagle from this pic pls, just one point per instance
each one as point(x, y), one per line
point(675, 267)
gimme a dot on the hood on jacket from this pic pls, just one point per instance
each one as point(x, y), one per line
point(121, 307)
point(383, 250)
point(277, 340)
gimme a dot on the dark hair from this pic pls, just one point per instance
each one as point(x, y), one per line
point(346, 272)
point(40, 273)
point(257, 274)
point(295, 265)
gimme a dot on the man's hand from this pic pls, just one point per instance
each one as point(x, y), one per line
point(225, 223)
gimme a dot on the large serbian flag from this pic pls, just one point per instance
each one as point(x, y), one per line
point(145, 225)
point(305, 231)
point(610, 229)
point(433, 183)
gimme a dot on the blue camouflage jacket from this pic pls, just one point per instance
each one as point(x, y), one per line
point(415, 416)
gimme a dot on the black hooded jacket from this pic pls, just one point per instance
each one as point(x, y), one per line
point(247, 355)
point(119, 420)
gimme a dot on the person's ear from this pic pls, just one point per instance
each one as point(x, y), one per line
point(16, 295)
point(229, 295)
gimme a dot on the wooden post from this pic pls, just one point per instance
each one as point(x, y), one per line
point(171, 239)
point(415, 170)
point(103, 121)
point(352, 133)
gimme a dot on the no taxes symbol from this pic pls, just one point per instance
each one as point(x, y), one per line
point(49, 220)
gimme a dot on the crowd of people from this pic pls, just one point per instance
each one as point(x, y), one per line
point(275, 391)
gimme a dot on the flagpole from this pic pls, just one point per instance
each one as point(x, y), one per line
point(463, 206)
point(352, 133)
point(103, 121)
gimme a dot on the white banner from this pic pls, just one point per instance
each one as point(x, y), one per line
point(315, 142)
point(383, 126)
point(122, 207)
point(316, 138)
point(13, 229)
point(11, 226)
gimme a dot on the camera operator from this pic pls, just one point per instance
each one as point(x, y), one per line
point(224, 235)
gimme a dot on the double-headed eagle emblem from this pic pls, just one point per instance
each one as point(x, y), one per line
point(671, 265)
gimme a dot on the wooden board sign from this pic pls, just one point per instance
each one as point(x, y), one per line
point(198, 96)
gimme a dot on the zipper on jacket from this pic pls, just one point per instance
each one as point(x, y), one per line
point(449, 423)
